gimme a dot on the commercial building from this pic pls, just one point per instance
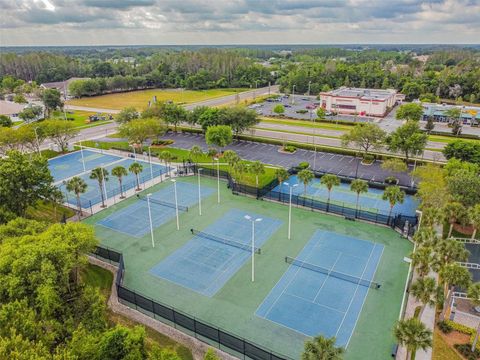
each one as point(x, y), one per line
point(470, 115)
point(357, 101)
point(11, 109)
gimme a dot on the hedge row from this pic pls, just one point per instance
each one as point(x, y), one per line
point(464, 330)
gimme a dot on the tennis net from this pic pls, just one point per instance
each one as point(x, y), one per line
point(164, 203)
point(336, 274)
point(225, 241)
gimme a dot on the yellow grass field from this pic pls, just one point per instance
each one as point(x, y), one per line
point(139, 99)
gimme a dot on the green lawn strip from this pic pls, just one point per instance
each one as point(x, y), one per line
point(102, 279)
point(181, 155)
point(308, 124)
point(449, 139)
point(49, 154)
point(79, 118)
point(140, 98)
point(441, 350)
point(45, 211)
point(296, 132)
point(233, 307)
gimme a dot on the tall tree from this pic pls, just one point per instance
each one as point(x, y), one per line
point(358, 186)
point(281, 174)
point(305, 176)
point(220, 135)
point(140, 130)
point(195, 153)
point(407, 139)
point(474, 217)
point(394, 195)
point(422, 260)
point(320, 348)
point(425, 291)
point(409, 111)
point(136, 168)
point(453, 211)
point(364, 136)
point(51, 100)
point(329, 180)
point(453, 274)
point(60, 132)
point(126, 115)
point(24, 179)
point(257, 168)
point(119, 172)
point(101, 175)
point(473, 294)
point(413, 334)
point(78, 186)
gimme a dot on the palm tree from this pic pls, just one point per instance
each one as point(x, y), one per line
point(426, 236)
point(329, 180)
point(422, 260)
point(167, 157)
point(120, 172)
point(320, 348)
point(452, 274)
point(78, 186)
point(281, 174)
point(453, 212)
point(101, 175)
point(257, 168)
point(412, 334)
point(432, 216)
point(449, 250)
point(195, 152)
point(359, 186)
point(473, 294)
point(231, 158)
point(211, 153)
point(425, 290)
point(305, 176)
point(474, 217)
point(394, 195)
point(240, 168)
point(56, 197)
point(136, 168)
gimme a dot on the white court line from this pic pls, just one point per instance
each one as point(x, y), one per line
point(328, 275)
point(365, 298)
point(355, 293)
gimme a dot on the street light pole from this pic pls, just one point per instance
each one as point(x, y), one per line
point(104, 184)
point(150, 219)
point(36, 138)
point(83, 159)
point(253, 221)
point(176, 201)
point(199, 194)
point(309, 83)
point(293, 95)
point(218, 179)
point(150, 161)
point(290, 209)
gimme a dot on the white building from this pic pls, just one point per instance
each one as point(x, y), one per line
point(363, 102)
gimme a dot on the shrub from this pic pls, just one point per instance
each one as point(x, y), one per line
point(465, 350)
point(445, 327)
point(289, 148)
point(391, 180)
point(162, 142)
point(301, 111)
point(368, 157)
point(303, 165)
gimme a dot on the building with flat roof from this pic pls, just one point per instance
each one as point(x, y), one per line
point(11, 109)
point(470, 115)
point(358, 101)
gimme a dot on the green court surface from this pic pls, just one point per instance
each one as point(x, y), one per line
point(233, 307)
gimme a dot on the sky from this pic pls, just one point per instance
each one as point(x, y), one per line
point(210, 22)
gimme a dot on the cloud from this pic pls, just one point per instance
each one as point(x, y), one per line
point(238, 21)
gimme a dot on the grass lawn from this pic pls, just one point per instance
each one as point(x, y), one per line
point(441, 350)
point(79, 118)
point(181, 155)
point(139, 99)
point(307, 124)
point(449, 139)
point(45, 211)
point(98, 277)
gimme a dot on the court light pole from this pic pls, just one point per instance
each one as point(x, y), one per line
point(104, 184)
point(83, 159)
point(293, 95)
point(150, 161)
point(218, 179)
point(134, 153)
point(290, 208)
point(253, 221)
point(150, 219)
point(176, 201)
point(199, 194)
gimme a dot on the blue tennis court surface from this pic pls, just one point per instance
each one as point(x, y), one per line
point(69, 165)
point(313, 303)
point(92, 196)
point(205, 265)
point(371, 201)
point(133, 220)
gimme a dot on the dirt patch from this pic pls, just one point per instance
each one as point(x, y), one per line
point(465, 230)
point(453, 338)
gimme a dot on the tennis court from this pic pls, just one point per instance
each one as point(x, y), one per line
point(134, 219)
point(93, 196)
point(342, 195)
point(215, 254)
point(66, 166)
point(324, 289)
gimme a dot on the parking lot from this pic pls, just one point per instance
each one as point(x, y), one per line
point(342, 165)
point(299, 107)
